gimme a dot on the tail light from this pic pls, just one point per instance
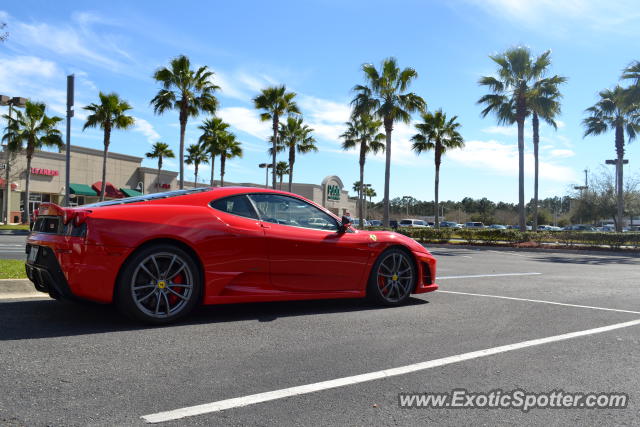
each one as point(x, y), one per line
point(80, 218)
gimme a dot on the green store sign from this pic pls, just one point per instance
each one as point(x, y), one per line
point(333, 192)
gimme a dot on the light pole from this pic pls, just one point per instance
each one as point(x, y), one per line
point(266, 167)
point(16, 101)
point(70, 86)
point(408, 200)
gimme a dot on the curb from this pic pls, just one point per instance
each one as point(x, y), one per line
point(610, 252)
point(14, 232)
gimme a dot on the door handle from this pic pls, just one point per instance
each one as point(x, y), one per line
point(266, 227)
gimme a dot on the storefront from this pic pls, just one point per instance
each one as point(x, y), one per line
point(126, 177)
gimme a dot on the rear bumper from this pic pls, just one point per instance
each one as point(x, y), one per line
point(67, 267)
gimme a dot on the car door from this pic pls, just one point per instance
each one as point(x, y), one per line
point(235, 259)
point(306, 251)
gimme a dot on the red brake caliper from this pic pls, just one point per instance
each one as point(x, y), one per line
point(177, 280)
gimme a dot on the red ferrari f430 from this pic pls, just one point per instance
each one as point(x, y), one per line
point(158, 256)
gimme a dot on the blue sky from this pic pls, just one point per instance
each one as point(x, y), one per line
point(317, 48)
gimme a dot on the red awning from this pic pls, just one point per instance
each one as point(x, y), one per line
point(109, 190)
point(3, 185)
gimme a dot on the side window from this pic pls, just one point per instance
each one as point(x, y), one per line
point(291, 211)
point(235, 205)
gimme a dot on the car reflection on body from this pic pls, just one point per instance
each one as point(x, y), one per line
point(160, 255)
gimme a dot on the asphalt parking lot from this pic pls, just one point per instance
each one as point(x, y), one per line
point(12, 247)
point(69, 364)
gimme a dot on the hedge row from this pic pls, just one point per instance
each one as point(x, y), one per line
point(564, 238)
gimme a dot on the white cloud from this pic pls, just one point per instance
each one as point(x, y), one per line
point(77, 40)
point(326, 118)
point(501, 130)
point(246, 120)
point(145, 128)
point(557, 16)
point(561, 153)
point(503, 159)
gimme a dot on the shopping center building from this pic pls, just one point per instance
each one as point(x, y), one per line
point(125, 177)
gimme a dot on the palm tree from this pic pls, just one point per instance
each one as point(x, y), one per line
point(31, 130)
point(439, 134)
point(275, 102)
point(230, 148)
point(196, 156)
point(363, 133)
point(509, 99)
point(108, 115)
point(385, 97)
point(188, 91)
point(282, 169)
point(370, 193)
point(632, 72)
point(294, 136)
point(212, 131)
point(613, 111)
point(544, 99)
point(160, 150)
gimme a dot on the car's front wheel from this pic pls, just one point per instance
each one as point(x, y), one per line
point(392, 278)
point(159, 284)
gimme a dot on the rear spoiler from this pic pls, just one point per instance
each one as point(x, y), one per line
point(79, 215)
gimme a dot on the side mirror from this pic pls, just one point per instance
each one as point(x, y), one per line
point(345, 225)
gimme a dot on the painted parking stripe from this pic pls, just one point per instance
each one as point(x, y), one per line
point(541, 301)
point(252, 399)
point(473, 276)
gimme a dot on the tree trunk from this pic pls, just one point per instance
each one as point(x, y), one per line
point(107, 137)
point(273, 156)
point(292, 160)
point(361, 188)
point(183, 127)
point(8, 158)
point(222, 162)
point(536, 162)
point(521, 210)
point(388, 128)
point(26, 215)
point(159, 169)
point(437, 186)
point(619, 177)
point(213, 165)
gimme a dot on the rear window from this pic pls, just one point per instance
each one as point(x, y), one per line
point(146, 197)
point(235, 205)
point(419, 222)
point(405, 221)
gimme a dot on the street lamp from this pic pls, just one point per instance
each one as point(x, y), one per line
point(16, 101)
point(408, 200)
point(266, 167)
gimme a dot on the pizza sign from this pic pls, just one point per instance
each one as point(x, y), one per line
point(46, 172)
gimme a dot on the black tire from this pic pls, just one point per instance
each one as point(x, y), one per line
point(160, 274)
point(381, 289)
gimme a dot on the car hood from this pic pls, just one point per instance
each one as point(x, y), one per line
point(393, 237)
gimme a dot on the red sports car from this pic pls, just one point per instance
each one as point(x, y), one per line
point(158, 256)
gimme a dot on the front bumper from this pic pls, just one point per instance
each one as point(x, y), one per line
point(426, 273)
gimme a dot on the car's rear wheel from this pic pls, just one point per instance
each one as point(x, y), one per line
point(392, 278)
point(159, 284)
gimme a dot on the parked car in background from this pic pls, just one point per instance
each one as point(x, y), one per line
point(474, 224)
point(375, 223)
point(393, 223)
point(580, 227)
point(415, 223)
point(356, 222)
point(450, 224)
point(549, 228)
point(497, 227)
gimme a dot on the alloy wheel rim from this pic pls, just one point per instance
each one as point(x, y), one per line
point(162, 285)
point(394, 277)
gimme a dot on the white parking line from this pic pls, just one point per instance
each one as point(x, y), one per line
point(487, 275)
point(542, 301)
point(238, 402)
point(508, 253)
